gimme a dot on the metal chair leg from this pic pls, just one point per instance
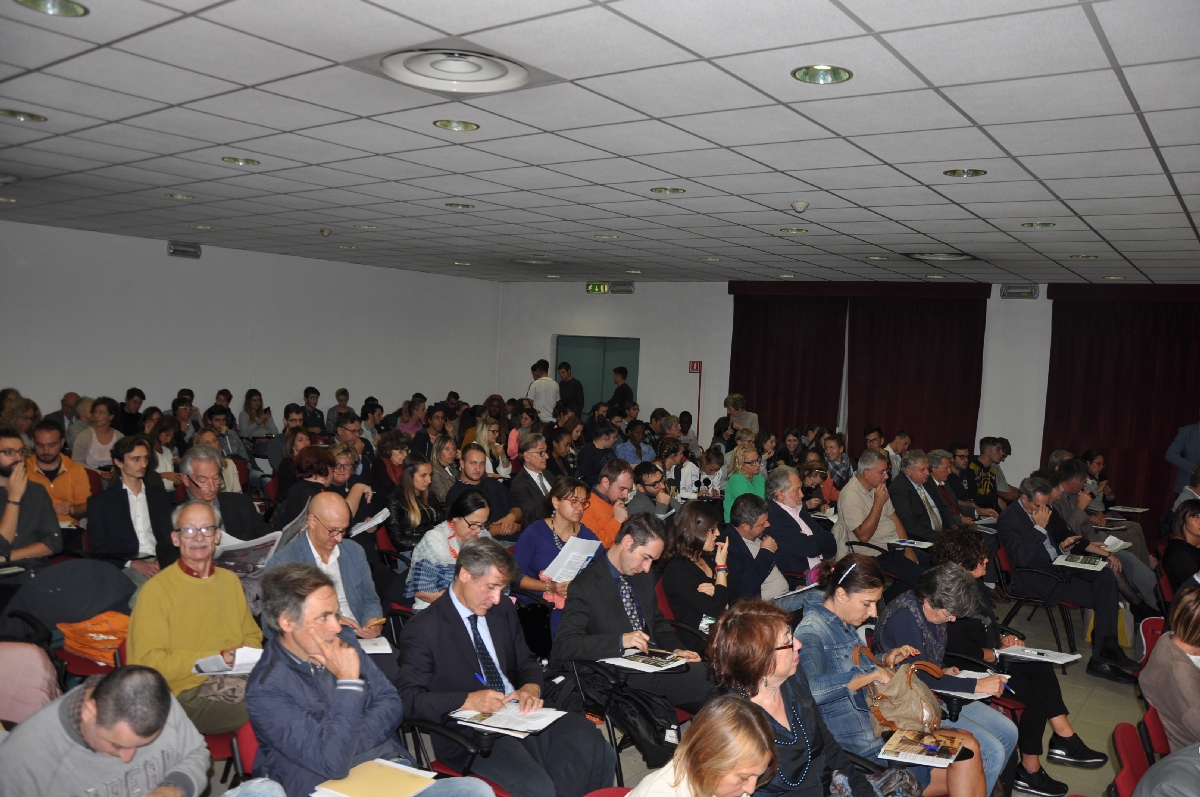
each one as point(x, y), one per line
point(1053, 627)
point(1013, 612)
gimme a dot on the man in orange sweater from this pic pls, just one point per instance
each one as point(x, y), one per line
point(607, 511)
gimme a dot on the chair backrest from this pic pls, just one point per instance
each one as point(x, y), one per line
point(1151, 629)
point(247, 748)
point(243, 471)
point(1164, 584)
point(1003, 562)
point(663, 605)
point(272, 488)
point(1154, 735)
point(220, 745)
point(180, 493)
point(29, 683)
point(612, 791)
point(1130, 756)
point(94, 481)
point(382, 541)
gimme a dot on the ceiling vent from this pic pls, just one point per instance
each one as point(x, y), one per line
point(180, 249)
point(1012, 291)
point(942, 256)
point(620, 287)
point(454, 68)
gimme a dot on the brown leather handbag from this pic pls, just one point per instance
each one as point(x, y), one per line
point(905, 702)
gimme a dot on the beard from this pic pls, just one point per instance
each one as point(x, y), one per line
point(6, 470)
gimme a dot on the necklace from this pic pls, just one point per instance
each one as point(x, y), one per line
point(795, 738)
point(558, 541)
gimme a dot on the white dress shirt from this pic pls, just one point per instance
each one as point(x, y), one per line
point(334, 571)
point(794, 511)
point(484, 633)
point(935, 517)
point(139, 512)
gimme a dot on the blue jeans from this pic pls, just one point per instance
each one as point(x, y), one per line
point(259, 787)
point(996, 734)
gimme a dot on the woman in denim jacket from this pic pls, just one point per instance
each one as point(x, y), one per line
point(849, 590)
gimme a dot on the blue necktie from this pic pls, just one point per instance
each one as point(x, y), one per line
point(490, 671)
point(631, 607)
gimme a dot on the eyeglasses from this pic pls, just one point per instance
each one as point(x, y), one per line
point(790, 644)
point(205, 480)
point(189, 532)
point(11, 452)
point(473, 526)
point(344, 466)
point(331, 532)
point(541, 452)
point(751, 462)
point(655, 484)
point(573, 501)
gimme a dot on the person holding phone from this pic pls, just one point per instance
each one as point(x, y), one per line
point(93, 445)
point(255, 420)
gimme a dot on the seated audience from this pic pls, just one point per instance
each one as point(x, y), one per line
point(608, 510)
point(841, 464)
point(767, 444)
point(896, 449)
point(445, 467)
point(1171, 679)
point(392, 449)
point(916, 621)
point(532, 483)
point(65, 480)
point(504, 519)
point(422, 441)
point(434, 557)
point(612, 607)
point(705, 479)
point(754, 654)
point(29, 530)
point(752, 553)
point(254, 421)
point(356, 489)
point(669, 461)
point(739, 417)
point(803, 543)
point(962, 483)
point(744, 476)
point(816, 488)
point(922, 510)
point(634, 449)
point(314, 474)
point(558, 445)
point(849, 593)
point(342, 397)
point(791, 453)
point(983, 471)
point(121, 733)
point(81, 421)
point(745, 437)
point(372, 418)
point(596, 454)
point(314, 419)
point(150, 419)
point(1136, 560)
point(91, 446)
point(979, 636)
point(866, 515)
point(221, 420)
point(192, 610)
point(318, 704)
point(487, 434)
point(696, 577)
point(293, 418)
point(728, 750)
point(129, 417)
point(1181, 560)
point(650, 494)
point(297, 439)
point(349, 431)
point(542, 541)
point(207, 437)
point(410, 513)
point(236, 513)
point(467, 651)
point(65, 415)
point(687, 435)
point(525, 423)
point(1189, 493)
point(165, 456)
point(130, 526)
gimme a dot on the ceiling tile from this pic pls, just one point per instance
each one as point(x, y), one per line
point(195, 44)
point(1174, 127)
point(1073, 135)
point(139, 76)
point(75, 97)
point(271, 110)
point(459, 18)
point(21, 134)
point(352, 91)
point(29, 47)
point(1042, 98)
point(826, 153)
point(953, 145)
point(611, 170)
point(328, 177)
point(1094, 164)
point(540, 149)
point(581, 43)
point(92, 150)
point(1142, 31)
point(459, 184)
point(57, 121)
point(703, 163)
point(421, 120)
point(459, 159)
point(762, 125)
point(1149, 204)
point(887, 113)
point(533, 178)
point(1100, 187)
point(678, 89)
point(193, 124)
point(559, 106)
point(854, 177)
point(911, 195)
point(637, 138)
point(918, 13)
point(302, 148)
point(123, 135)
point(371, 136)
point(115, 20)
point(758, 183)
point(1016, 191)
point(1159, 87)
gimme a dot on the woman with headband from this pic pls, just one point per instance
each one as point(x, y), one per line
point(850, 589)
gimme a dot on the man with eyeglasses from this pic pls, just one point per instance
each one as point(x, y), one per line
point(349, 430)
point(201, 469)
point(29, 532)
point(190, 611)
point(650, 495)
point(531, 484)
point(803, 543)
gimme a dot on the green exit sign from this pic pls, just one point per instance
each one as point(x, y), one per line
point(597, 287)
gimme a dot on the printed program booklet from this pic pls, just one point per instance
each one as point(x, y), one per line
point(646, 662)
point(929, 749)
point(1080, 561)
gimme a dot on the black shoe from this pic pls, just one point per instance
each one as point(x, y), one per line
point(1072, 752)
point(1117, 657)
point(1102, 669)
point(1038, 783)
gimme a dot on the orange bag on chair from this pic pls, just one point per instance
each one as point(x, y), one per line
point(98, 638)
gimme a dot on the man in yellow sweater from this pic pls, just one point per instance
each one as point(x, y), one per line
point(192, 610)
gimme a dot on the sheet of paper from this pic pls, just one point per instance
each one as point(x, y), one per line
point(377, 778)
point(244, 659)
point(571, 559)
point(376, 645)
point(246, 558)
point(509, 719)
point(1036, 654)
point(986, 521)
point(1080, 562)
point(370, 522)
point(968, 695)
point(645, 663)
point(1128, 509)
point(912, 544)
point(805, 588)
point(1113, 544)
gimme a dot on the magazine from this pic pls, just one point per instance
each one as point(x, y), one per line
point(246, 558)
point(654, 661)
point(929, 749)
point(509, 720)
point(1080, 562)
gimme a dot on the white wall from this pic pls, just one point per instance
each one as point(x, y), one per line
point(97, 313)
point(676, 322)
point(1016, 369)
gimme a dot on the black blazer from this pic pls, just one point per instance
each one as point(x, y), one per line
point(746, 573)
point(240, 518)
point(438, 664)
point(1024, 545)
point(594, 620)
point(110, 533)
point(524, 493)
point(795, 547)
point(911, 508)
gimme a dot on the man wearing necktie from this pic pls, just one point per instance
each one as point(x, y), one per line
point(467, 651)
point(530, 484)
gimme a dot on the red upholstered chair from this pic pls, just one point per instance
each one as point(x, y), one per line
point(220, 747)
point(1020, 599)
point(243, 471)
point(1153, 735)
point(1132, 759)
point(1151, 630)
point(612, 791)
point(94, 481)
point(245, 745)
point(84, 667)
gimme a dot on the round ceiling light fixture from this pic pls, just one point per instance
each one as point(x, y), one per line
point(200, 226)
point(461, 263)
point(964, 172)
point(325, 233)
point(799, 206)
point(935, 276)
point(1039, 225)
point(531, 261)
point(787, 276)
point(456, 125)
point(1113, 277)
point(1084, 257)
point(365, 227)
point(21, 116)
point(710, 259)
point(454, 71)
point(793, 230)
point(236, 161)
point(179, 196)
point(459, 206)
point(822, 74)
point(942, 256)
point(876, 257)
point(56, 8)
point(664, 190)
point(607, 237)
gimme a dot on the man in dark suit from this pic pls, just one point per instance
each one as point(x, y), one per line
point(467, 651)
point(530, 485)
point(129, 524)
point(922, 510)
point(201, 469)
point(1023, 532)
point(612, 607)
point(803, 543)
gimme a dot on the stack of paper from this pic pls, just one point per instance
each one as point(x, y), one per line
point(509, 720)
point(376, 779)
point(646, 662)
point(244, 660)
point(1035, 654)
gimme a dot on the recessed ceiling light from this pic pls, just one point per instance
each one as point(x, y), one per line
point(9, 179)
point(456, 125)
point(793, 230)
point(461, 263)
point(1084, 257)
point(942, 256)
point(876, 257)
point(454, 71)
point(532, 261)
point(21, 116)
point(711, 259)
point(459, 206)
point(7, 200)
point(179, 196)
point(236, 161)
point(935, 276)
point(552, 276)
point(664, 190)
point(822, 74)
point(57, 8)
point(786, 276)
point(633, 271)
point(347, 246)
point(1039, 225)
point(539, 254)
point(365, 227)
point(607, 237)
point(964, 172)
point(325, 233)
point(200, 226)
point(1113, 277)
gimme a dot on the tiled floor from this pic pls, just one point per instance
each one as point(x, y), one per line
point(1095, 706)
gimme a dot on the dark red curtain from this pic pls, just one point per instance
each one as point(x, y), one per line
point(916, 365)
point(1123, 379)
point(786, 358)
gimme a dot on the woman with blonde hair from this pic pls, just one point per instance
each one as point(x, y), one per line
point(410, 512)
point(497, 462)
point(745, 475)
point(1171, 680)
point(727, 751)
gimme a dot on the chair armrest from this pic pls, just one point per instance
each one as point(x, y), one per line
point(691, 629)
point(865, 764)
point(1056, 576)
point(615, 676)
point(438, 729)
point(530, 596)
point(41, 634)
point(978, 664)
point(873, 547)
point(1006, 631)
